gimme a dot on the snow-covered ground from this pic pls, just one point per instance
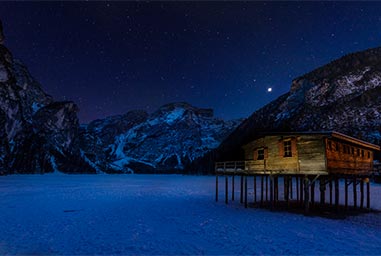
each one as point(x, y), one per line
point(165, 214)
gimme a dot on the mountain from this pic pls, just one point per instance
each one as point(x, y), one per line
point(37, 134)
point(164, 141)
point(344, 95)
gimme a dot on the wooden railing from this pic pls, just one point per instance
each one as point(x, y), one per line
point(240, 167)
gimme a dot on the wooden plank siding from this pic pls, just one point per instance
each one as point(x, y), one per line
point(344, 157)
point(311, 154)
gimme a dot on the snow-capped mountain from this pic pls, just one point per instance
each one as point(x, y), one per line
point(344, 95)
point(37, 134)
point(164, 141)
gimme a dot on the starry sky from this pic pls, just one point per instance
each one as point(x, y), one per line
point(112, 57)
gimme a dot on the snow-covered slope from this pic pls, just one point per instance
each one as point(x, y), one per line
point(164, 141)
point(344, 95)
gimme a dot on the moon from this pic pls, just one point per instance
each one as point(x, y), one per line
point(269, 89)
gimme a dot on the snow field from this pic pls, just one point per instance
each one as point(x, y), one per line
point(163, 214)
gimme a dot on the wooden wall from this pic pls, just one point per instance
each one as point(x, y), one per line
point(346, 158)
point(308, 155)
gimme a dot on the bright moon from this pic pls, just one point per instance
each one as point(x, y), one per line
point(269, 89)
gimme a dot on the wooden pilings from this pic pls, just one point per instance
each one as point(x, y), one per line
point(304, 188)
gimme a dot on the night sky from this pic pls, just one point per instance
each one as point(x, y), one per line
point(111, 57)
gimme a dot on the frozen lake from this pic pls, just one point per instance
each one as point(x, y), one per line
point(164, 214)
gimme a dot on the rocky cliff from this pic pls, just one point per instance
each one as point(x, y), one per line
point(37, 134)
point(344, 95)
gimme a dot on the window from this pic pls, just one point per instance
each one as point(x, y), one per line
point(353, 151)
point(358, 152)
point(368, 154)
point(260, 154)
point(337, 147)
point(287, 148)
point(362, 153)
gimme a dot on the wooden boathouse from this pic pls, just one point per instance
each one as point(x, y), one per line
point(302, 160)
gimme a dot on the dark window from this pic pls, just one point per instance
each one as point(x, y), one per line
point(358, 152)
point(353, 151)
point(330, 145)
point(287, 148)
point(261, 154)
point(362, 153)
point(368, 154)
point(337, 147)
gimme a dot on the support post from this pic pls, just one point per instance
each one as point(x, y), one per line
point(346, 192)
point(267, 188)
point(306, 195)
point(261, 190)
point(322, 190)
point(354, 193)
point(337, 193)
point(255, 189)
point(276, 192)
point(245, 191)
point(241, 195)
point(226, 189)
point(368, 195)
point(216, 188)
point(312, 193)
point(291, 189)
point(233, 187)
point(271, 192)
point(297, 188)
point(362, 194)
point(301, 191)
point(286, 190)
point(330, 192)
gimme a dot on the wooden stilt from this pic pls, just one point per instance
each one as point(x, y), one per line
point(361, 194)
point(330, 191)
point(233, 188)
point(241, 196)
point(312, 193)
point(276, 192)
point(306, 195)
point(301, 191)
point(271, 192)
point(255, 189)
point(287, 189)
point(261, 190)
point(346, 192)
point(226, 189)
point(291, 189)
point(322, 190)
point(354, 193)
point(297, 188)
point(368, 195)
point(267, 191)
point(216, 188)
point(245, 191)
point(337, 193)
